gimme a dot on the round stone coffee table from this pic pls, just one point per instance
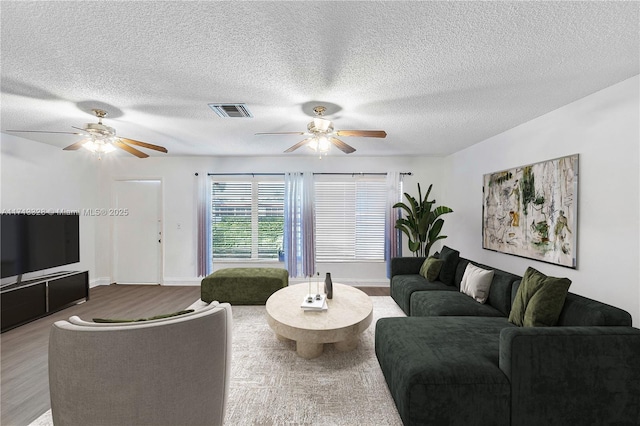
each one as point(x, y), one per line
point(349, 313)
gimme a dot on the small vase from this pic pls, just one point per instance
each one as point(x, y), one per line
point(328, 286)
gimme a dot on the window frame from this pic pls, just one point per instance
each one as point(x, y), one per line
point(254, 215)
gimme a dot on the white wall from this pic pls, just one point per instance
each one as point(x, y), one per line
point(603, 129)
point(180, 188)
point(38, 176)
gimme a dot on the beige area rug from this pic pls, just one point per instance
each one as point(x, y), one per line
point(271, 385)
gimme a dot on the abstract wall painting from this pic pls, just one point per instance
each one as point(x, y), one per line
point(532, 211)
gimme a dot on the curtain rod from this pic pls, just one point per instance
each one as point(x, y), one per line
point(282, 174)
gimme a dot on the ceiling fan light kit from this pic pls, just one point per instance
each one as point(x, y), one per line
point(320, 144)
point(321, 135)
point(98, 146)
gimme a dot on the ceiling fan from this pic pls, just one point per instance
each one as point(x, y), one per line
point(101, 139)
point(321, 135)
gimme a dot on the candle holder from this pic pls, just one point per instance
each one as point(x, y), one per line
point(309, 296)
point(318, 296)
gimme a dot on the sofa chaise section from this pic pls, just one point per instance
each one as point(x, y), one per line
point(444, 370)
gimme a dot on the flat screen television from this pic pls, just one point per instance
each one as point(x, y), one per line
point(36, 242)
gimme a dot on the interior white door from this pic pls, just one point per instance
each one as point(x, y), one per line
point(137, 231)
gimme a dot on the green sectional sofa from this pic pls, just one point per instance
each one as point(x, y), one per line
point(454, 361)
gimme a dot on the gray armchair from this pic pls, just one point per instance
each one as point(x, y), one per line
point(172, 371)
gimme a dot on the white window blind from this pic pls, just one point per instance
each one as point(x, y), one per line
point(350, 218)
point(246, 219)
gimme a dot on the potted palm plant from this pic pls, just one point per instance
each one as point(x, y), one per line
point(423, 222)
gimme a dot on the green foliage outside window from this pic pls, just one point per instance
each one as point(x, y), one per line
point(270, 232)
point(232, 237)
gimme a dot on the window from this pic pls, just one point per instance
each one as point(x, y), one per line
point(350, 218)
point(247, 218)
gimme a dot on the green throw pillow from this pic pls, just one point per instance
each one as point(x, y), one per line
point(539, 300)
point(174, 314)
point(431, 268)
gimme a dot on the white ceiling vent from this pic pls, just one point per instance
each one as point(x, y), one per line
point(231, 110)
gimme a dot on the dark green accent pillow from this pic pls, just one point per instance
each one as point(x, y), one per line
point(539, 300)
point(431, 268)
point(174, 314)
point(450, 257)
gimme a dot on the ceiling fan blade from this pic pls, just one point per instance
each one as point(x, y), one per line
point(130, 149)
point(84, 132)
point(144, 144)
point(347, 149)
point(282, 133)
point(75, 146)
point(362, 133)
point(42, 131)
point(299, 144)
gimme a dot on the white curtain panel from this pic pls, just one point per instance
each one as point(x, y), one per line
point(203, 209)
point(393, 240)
point(299, 224)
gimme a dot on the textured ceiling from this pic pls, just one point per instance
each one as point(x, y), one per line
point(437, 76)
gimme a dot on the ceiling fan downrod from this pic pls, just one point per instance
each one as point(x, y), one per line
point(100, 113)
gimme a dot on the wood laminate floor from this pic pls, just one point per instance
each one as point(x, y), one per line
point(24, 382)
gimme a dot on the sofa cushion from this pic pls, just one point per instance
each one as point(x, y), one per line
point(449, 303)
point(444, 370)
point(460, 268)
point(539, 300)
point(406, 265)
point(403, 286)
point(448, 270)
point(476, 283)
point(431, 268)
point(500, 293)
point(582, 311)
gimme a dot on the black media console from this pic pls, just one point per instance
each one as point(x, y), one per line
point(32, 299)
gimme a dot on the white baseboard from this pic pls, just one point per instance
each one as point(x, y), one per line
point(182, 281)
point(99, 281)
point(168, 281)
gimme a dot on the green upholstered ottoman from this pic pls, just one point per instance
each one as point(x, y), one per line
point(243, 286)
